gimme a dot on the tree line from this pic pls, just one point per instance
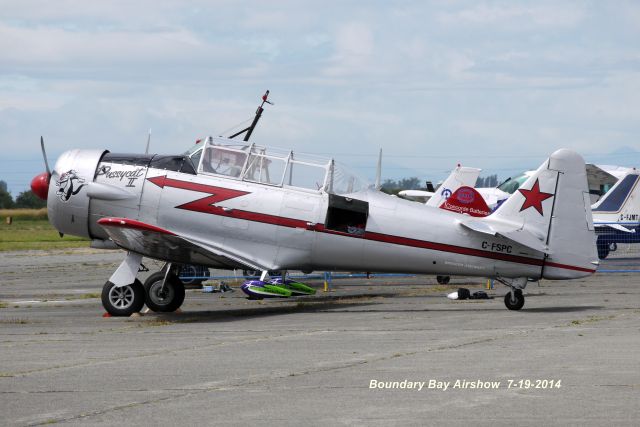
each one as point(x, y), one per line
point(24, 200)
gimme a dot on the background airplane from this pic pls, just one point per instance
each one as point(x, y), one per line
point(616, 215)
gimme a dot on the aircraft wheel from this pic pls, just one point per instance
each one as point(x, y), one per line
point(123, 301)
point(443, 280)
point(603, 247)
point(603, 251)
point(163, 299)
point(517, 302)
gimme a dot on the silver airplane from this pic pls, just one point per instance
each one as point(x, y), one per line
point(229, 204)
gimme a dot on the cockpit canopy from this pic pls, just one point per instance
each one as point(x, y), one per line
point(273, 166)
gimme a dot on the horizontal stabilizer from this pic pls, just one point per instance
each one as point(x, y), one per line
point(508, 231)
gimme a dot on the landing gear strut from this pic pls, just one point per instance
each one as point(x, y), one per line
point(124, 300)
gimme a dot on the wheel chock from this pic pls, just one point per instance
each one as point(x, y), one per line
point(106, 315)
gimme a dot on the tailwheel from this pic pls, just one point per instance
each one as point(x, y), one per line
point(443, 280)
point(514, 300)
point(124, 300)
point(162, 295)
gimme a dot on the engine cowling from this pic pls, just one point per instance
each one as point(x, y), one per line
point(68, 201)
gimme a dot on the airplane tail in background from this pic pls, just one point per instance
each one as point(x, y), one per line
point(550, 213)
point(466, 200)
point(619, 208)
point(461, 176)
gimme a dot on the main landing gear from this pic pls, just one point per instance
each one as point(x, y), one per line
point(123, 300)
point(514, 299)
point(162, 291)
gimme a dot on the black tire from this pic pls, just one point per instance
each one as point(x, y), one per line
point(603, 251)
point(123, 301)
point(603, 247)
point(519, 300)
point(165, 299)
point(443, 280)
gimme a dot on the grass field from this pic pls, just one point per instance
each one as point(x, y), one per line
point(31, 230)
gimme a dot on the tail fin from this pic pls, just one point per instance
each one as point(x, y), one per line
point(466, 200)
point(618, 210)
point(459, 177)
point(624, 197)
point(553, 205)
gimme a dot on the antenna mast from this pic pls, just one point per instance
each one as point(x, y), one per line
point(249, 130)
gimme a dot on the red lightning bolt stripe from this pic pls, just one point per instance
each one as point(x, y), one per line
point(205, 204)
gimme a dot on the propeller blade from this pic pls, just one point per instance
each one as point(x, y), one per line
point(379, 171)
point(44, 155)
point(146, 151)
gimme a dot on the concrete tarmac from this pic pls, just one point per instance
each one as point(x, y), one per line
point(571, 356)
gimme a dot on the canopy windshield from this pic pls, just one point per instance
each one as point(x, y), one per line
point(276, 167)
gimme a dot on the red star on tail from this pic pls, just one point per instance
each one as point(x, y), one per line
point(534, 198)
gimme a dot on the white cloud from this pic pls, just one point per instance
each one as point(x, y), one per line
point(517, 16)
point(45, 45)
point(354, 48)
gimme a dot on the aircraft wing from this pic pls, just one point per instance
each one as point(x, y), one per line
point(615, 226)
point(509, 231)
point(158, 243)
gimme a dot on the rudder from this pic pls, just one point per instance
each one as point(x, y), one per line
point(554, 206)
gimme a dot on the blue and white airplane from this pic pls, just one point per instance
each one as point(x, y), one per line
point(616, 216)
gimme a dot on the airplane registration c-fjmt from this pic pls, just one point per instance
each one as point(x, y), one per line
point(232, 204)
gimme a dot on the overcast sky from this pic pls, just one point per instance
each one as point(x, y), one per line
point(497, 85)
